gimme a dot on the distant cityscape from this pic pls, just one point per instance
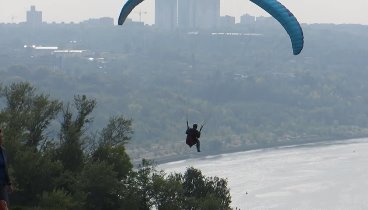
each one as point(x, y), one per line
point(34, 18)
point(169, 15)
point(192, 17)
point(193, 14)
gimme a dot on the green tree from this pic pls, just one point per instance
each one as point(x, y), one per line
point(168, 191)
point(116, 157)
point(148, 188)
point(27, 115)
point(117, 132)
point(111, 145)
point(99, 182)
point(33, 173)
point(72, 130)
point(42, 113)
point(205, 193)
point(57, 200)
point(137, 188)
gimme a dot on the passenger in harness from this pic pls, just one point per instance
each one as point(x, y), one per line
point(193, 136)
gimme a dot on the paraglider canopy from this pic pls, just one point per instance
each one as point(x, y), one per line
point(127, 8)
point(286, 19)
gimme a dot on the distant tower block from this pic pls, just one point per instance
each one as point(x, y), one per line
point(34, 17)
point(166, 15)
point(198, 14)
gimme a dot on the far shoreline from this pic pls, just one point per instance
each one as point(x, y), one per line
point(280, 145)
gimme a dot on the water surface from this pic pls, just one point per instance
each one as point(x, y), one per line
point(324, 176)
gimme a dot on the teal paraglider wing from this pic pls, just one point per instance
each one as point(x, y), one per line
point(127, 8)
point(286, 19)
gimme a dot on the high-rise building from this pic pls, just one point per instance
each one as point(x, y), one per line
point(186, 13)
point(166, 15)
point(34, 17)
point(198, 14)
point(207, 13)
point(247, 19)
point(226, 21)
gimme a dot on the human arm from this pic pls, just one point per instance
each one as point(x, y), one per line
point(198, 134)
point(187, 131)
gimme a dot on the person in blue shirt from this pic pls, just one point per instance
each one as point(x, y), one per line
point(5, 184)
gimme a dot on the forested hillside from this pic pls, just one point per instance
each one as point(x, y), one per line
point(243, 81)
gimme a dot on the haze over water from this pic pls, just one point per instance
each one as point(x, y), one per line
point(328, 176)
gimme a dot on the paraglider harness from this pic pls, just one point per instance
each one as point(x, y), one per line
point(193, 135)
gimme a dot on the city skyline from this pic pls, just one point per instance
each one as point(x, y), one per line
point(311, 11)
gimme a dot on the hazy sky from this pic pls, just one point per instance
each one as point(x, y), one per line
point(307, 11)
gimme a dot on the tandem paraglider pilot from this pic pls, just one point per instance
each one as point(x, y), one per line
point(193, 136)
point(5, 184)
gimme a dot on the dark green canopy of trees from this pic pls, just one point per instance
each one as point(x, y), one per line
point(78, 169)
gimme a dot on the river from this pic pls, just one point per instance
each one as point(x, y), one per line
point(322, 176)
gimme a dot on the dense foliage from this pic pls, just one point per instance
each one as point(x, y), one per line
point(79, 169)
